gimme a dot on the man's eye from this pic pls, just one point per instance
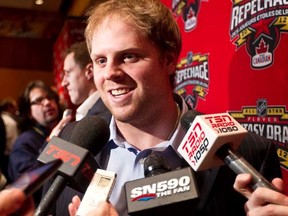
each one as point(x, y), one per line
point(101, 61)
point(130, 58)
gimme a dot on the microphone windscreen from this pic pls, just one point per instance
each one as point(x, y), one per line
point(91, 133)
point(155, 164)
point(188, 118)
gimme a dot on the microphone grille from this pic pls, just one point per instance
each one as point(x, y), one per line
point(155, 164)
point(92, 133)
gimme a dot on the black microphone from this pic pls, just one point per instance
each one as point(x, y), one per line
point(216, 135)
point(89, 136)
point(162, 191)
point(155, 164)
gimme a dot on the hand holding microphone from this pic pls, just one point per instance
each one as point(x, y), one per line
point(14, 200)
point(66, 118)
point(17, 195)
point(211, 139)
point(264, 200)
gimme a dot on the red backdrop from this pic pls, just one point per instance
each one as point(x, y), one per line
point(235, 59)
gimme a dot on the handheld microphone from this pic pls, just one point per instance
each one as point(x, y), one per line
point(162, 190)
point(90, 135)
point(210, 141)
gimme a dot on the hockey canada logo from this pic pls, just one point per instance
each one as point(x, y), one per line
point(192, 78)
point(258, 24)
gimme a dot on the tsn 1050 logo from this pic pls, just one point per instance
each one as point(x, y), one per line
point(204, 131)
point(222, 123)
point(161, 189)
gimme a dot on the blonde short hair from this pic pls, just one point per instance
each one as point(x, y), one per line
point(154, 21)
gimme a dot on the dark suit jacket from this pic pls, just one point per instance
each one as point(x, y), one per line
point(97, 109)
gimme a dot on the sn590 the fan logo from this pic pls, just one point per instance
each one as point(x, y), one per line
point(161, 189)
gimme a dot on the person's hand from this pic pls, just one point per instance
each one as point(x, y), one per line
point(103, 208)
point(12, 200)
point(74, 205)
point(262, 201)
point(59, 126)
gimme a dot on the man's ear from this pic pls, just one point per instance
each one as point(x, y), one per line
point(171, 61)
point(89, 71)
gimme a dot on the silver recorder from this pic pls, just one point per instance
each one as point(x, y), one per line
point(98, 190)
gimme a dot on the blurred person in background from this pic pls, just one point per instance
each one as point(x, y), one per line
point(39, 114)
point(78, 80)
point(3, 178)
point(9, 114)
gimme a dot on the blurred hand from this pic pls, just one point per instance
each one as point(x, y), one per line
point(12, 200)
point(262, 201)
point(103, 208)
point(74, 205)
point(65, 120)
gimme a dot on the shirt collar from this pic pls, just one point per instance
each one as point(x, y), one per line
point(83, 109)
point(174, 141)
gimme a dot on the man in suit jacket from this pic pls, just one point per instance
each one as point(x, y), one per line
point(79, 83)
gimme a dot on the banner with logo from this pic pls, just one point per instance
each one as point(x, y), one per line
point(235, 59)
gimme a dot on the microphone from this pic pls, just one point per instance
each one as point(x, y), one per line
point(210, 141)
point(89, 135)
point(162, 190)
point(155, 164)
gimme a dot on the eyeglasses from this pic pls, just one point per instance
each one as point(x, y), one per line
point(40, 100)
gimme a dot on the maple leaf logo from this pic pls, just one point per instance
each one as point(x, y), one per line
point(262, 48)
